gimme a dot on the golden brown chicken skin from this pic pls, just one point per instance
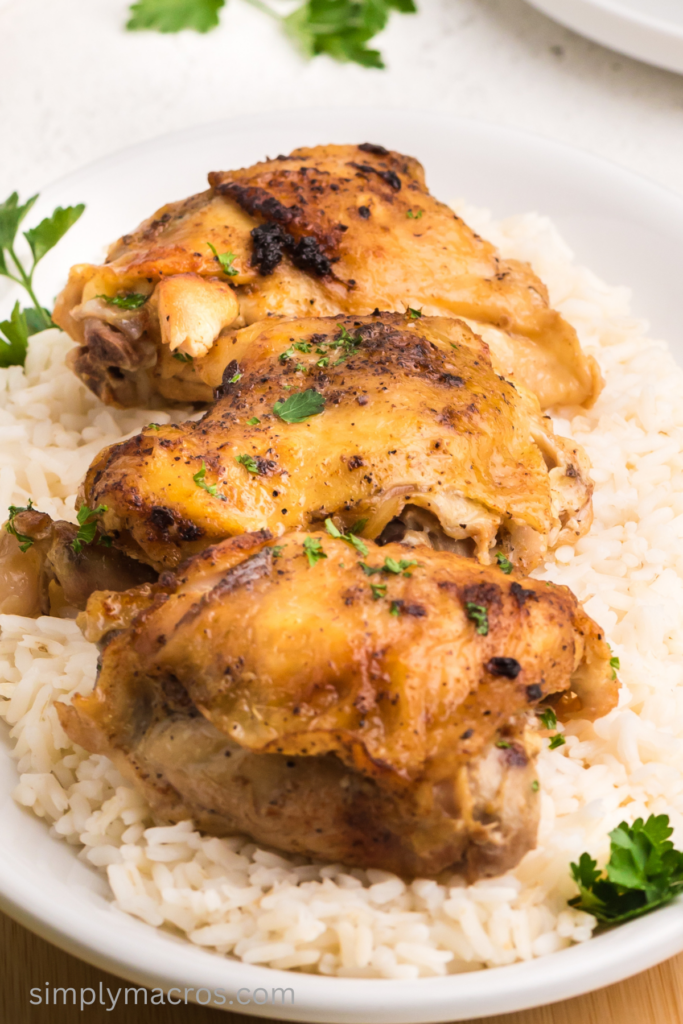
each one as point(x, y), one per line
point(326, 230)
point(405, 427)
point(380, 720)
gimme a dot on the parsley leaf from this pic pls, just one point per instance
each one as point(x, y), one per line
point(249, 463)
point(50, 230)
point(378, 590)
point(535, 786)
point(14, 345)
point(349, 538)
point(548, 719)
point(300, 406)
point(414, 215)
point(479, 615)
point(253, 421)
point(313, 550)
point(87, 525)
point(200, 480)
point(396, 608)
point(414, 314)
point(342, 28)
point(558, 740)
point(235, 377)
point(133, 300)
point(25, 541)
point(614, 662)
point(41, 239)
point(226, 260)
point(358, 526)
point(174, 15)
point(277, 549)
point(504, 564)
point(644, 871)
point(183, 357)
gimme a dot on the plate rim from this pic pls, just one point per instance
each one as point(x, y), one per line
point(436, 997)
point(639, 35)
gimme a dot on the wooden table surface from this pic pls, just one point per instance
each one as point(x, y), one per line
point(655, 997)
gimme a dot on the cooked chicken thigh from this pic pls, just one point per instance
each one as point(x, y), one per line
point(327, 230)
point(44, 569)
point(368, 705)
point(387, 423)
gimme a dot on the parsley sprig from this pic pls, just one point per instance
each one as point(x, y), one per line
point(644, 871)
point(200, 480)
point(504, 564)
point(339, 28)
point(25, 541)
point(131, 300)
point(15, 332)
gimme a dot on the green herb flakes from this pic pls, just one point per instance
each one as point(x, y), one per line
point(226, 260)
point(548, 719)
point(313, 550)
point(378, 590)
point(479, 615)
point(558, 740)
point(25, 541)
point(87, 525)
point(249, 463)
point(200, 480)
point(504, 564)
point(183, 357)
point(133, 300)
point(253, 421)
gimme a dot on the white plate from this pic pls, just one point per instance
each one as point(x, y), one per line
point(626, 229)
point(649, 30)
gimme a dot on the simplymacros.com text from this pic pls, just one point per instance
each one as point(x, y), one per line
point(157, 996)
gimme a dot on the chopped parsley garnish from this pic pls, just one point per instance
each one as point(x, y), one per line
point(131, 301)
point(153, 426)
point(644, 871)
point(557, 741)
point(378, 590)
point(548, 719)
point(183, 357)
point(277, 550)
point(615, 665)
point(504, 564)
point(479, 615)
point(87, 525)
point(174, 15)
point(358, 526)
point(503, 744)
point(200, 480)
point(249, 463)
point(313, 550)
point(370, 570)
point(235, 377)
point(414, 214)
point(25, 541)
point(349, 538)
point(323, 362)
point(300, 406)
point(391, 565)
point(226, 260)
point(395, 608)
point(253, 421)
point(414, 314)
point(15, 332)
point(535, 786)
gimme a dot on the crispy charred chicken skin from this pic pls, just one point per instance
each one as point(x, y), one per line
point(381, 720)
point(327, 230)
point(408, 434)
point(42, 573)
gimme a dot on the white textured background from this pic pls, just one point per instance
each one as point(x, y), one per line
point(74, 86)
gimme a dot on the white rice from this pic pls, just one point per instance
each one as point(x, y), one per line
point(230, 896)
